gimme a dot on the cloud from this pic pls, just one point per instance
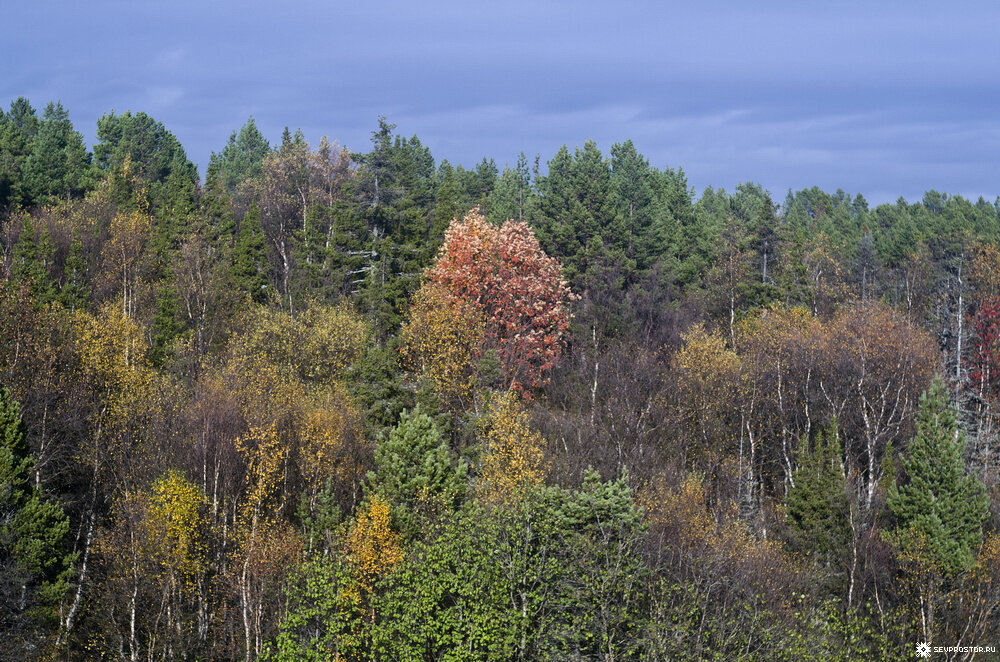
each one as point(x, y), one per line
point(858, 95)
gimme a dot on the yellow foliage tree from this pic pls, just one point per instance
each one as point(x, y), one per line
point(316, 346)
point(513, 458)
point(112, 350)
point(984, 272)
point(112, 353)
point(264, 455)
point(713, 541)
point(373, 548)
point(443, 339)
point(780, 350)
point(708, 380)
point(177, 520)
point(121, 255)
point(332, 442)
point(155, 557)
point(333, 338)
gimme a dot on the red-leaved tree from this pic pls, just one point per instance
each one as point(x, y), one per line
point(519, 289)
point(985, 368)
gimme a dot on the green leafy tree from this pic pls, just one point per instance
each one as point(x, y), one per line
point(321, 621)
point(554, 576)
point(448, 600)
point(938, 501)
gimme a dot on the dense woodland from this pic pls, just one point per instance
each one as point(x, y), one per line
point(335, 405)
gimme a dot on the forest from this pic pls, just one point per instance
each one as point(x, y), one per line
point(359, 406)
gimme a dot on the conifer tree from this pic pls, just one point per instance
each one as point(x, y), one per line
point(414, 463)
point(34, 569)
point(250, 258)
point(241, 158)
point(938, 501)
point(817, 506)
point(18, 128)
point(32, 259)
point(166, 326)
point(74, 292)
point(512, 194)
point(59, 164)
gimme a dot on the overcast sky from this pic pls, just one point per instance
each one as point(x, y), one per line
point(886, 99)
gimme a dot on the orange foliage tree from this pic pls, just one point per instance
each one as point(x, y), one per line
point(506, 275)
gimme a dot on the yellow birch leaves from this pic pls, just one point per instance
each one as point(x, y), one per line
point(513, 459)
point(374, 549)
point(443, 339)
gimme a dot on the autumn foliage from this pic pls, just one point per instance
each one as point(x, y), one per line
point(513, 459)
point(506, 275)
point(985, 369)
point(373, 547)
point(292, 415)
point(443, 338)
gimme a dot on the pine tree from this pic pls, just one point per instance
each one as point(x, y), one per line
point(59, 164)
point(414, 464)
point(632, 193)
point(938, 501)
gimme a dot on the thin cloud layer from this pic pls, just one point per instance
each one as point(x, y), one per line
point(878, 100)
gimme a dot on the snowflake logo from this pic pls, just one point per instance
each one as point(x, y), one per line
point(923, 649)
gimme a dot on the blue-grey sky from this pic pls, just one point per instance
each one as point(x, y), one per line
point(882, 98)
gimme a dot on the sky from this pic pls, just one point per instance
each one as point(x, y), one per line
point(886, 99)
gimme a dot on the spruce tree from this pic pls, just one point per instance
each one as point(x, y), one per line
point(816, 507)
point(937, 500)
point(74, 293)
point(167, 326)
point(241, 158)
point(18, 129)
point(34, 567)
point(249, 258)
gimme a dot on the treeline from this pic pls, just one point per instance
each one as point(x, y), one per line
point(339, 405)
